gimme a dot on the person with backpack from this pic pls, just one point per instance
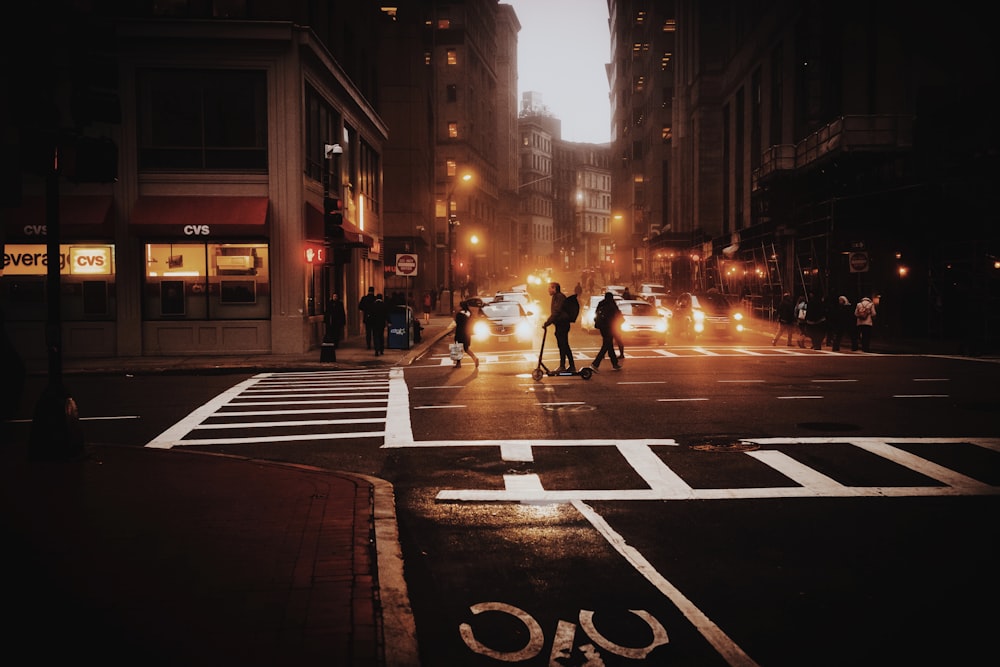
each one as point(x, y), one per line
point(560, 318)
point(864, 314)
point(606, 316)
point(786, 320)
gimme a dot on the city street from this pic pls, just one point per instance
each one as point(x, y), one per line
point(720, 504)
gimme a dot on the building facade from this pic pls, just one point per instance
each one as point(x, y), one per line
point(204, 232)
point(810, 148)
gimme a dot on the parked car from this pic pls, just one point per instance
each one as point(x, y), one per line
point(506, 323)
point(643, 322)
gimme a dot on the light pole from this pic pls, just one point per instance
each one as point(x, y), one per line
point(452, 223)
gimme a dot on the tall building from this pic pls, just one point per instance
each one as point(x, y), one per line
point(811, 148)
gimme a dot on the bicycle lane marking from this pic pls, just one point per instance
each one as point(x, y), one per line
point(726, 647)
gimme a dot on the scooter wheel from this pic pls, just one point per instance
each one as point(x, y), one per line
point(536, 374)
point(586, 373)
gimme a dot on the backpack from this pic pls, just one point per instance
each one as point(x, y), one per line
point(600, 316)
point(572, 307)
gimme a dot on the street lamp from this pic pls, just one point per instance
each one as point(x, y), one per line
point(452, 223)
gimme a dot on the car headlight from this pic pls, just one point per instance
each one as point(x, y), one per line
point(481, 330)
point(627, 326)
point(523, 329)
point(661, 326)
point(737, 316)
point(699, 316)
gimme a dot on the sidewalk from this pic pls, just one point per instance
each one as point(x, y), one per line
point(170, 557)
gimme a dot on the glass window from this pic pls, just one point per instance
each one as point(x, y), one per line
point(202, 119)
point(87, 282)
point(214, 281)
point(452, 57)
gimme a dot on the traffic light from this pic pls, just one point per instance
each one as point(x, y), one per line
point(333, 217)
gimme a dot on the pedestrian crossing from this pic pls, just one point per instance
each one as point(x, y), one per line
point(289, 407)
point(588, 354)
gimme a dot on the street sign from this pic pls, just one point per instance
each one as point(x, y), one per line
point(406, 265)
point(858, 262)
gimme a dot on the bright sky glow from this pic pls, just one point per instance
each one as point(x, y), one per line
point(562, 50)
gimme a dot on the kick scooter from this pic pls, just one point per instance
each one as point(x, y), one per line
point(586, 372)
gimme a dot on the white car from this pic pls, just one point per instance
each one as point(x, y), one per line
point(587, 313)
point(642, 321)
point(505, 323)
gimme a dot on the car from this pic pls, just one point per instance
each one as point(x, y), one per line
point(642, 322)
point(517, 296)
point(587, 314)
point(504, 323)
point(660, 300)
point(708, 313)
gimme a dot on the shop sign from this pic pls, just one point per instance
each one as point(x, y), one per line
point(33, 260)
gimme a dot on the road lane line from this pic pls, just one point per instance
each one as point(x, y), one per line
point(723, 644)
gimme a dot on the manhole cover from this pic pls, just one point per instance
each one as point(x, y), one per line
point(726, 447)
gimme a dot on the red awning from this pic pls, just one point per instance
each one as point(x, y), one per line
point(80, 216)
point(200, 217)
point(353, 236)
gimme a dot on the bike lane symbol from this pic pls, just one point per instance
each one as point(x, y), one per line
point(565, 635)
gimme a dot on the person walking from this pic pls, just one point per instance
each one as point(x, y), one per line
point(560, 320)
point(864, 314)
point(800, 319)
point(842, 322)
point(606, 316)
point(365, 306)
point(464, 323)
point(335, 318)
point(816, 321)
point(786, 320)
point(378, 317)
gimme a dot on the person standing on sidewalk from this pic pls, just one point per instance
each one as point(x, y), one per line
point(365, 306)
point(335, 318)
point(786, 320)
point(559, 318)
point(864, 314)
point(378, 317)
point(606, 317)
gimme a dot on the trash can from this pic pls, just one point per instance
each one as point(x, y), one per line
point(400, 328)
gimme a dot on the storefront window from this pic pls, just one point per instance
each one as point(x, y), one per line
point(87, 282)
point(213, 281)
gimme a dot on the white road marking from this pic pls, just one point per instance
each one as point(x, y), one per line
point(794, 398)
point(726, 647)
point(679, 400)
point(920, 395)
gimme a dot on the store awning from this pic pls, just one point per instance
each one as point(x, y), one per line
point(353, 236)
point(199, 217)
point(80, 217)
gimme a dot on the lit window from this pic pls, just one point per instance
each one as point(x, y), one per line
point(667, 133)
point(444, 24)
point(452, 57)
point(670, 25)
point(665, 60)
point(453, 130)
point(427, 57)
point(452, 167)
